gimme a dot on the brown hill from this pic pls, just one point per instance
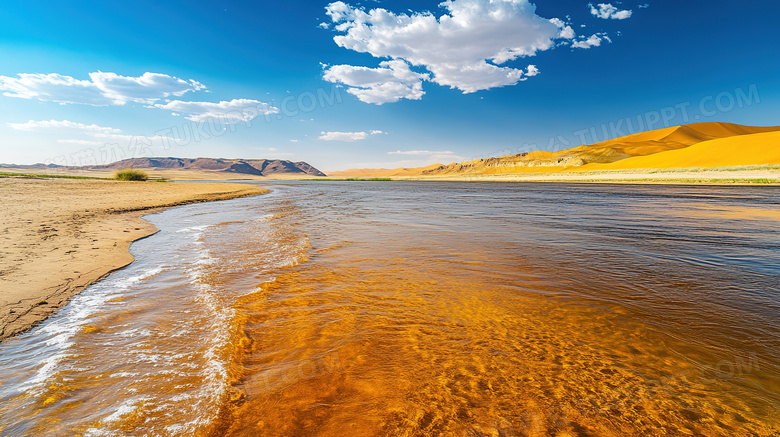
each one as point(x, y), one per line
point(255, 167)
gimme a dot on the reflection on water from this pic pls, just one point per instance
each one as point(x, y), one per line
point(424, 309)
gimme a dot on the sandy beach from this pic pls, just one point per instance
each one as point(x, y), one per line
point(61, 235)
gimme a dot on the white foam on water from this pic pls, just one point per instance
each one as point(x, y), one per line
point(58, 333)
point(124, 409)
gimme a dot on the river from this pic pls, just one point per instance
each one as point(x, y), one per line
point(423, 309)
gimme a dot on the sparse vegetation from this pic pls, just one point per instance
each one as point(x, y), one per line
point(130, 174)
point(40, 175)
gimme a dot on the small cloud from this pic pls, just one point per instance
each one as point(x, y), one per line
point(323, 25)
point(342, 136)
point(233, 111)
point(607, 11)
point(294, 141)
point(644, 6)
point(82, 142)
point(377, 132)
point(63, 124)
point(592, 41)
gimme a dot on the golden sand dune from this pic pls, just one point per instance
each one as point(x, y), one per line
point(752, 149)
point(607, 154)
point(694, 145)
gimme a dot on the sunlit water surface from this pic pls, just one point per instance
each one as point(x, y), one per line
point(423, 309)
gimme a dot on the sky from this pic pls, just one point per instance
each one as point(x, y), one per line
point(373, 84)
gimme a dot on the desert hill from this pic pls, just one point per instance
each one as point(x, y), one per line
point(191, 166)
point(751, 149)
point(256, 167)
point(630, 147)
point(693, 145)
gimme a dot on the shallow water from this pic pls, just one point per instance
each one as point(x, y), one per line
point(405, 308)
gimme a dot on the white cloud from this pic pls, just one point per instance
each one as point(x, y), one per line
point(63, 124)
point(377, 132)
point(82, 142)
point(233, 111)
point(592, 41)
point(342, 136)
point(392, 81)
point(644, 6)
point(420, 152)
point(454, 47)
point(607, 11)
point(146, 88)
point(103, 89)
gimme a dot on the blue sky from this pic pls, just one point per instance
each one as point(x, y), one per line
point(374, 84)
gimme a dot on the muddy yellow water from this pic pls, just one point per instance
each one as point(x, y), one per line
point(414, 309)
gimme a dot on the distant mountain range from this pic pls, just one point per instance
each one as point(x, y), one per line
point(705, 145)
point(254, 167)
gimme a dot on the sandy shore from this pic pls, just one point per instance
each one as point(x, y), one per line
point(663, 176)
point(60, 235)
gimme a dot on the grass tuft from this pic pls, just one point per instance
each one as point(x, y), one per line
point(130, 174)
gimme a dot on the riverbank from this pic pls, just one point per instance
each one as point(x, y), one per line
point(61, 235)
point(765, 175)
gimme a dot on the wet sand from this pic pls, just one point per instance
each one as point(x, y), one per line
point(61, 235)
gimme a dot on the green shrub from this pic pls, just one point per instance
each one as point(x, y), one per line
point(130, 174)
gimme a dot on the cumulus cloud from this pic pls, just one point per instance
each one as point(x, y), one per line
point(463, 48)
point(377, 132)
point(103, 89)
point(234, 111)
point(591, 41)
point(62, 124)
point(391, 82)
point(146, 88)
point(607, 11)
point(342, 136)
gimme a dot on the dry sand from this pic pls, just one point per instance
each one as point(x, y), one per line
point(60, 235)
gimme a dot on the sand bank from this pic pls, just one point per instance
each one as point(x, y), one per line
point(736, 176)
point(60, 235)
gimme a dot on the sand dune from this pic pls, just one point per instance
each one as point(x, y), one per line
point(695, 145)
point(742, 150)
